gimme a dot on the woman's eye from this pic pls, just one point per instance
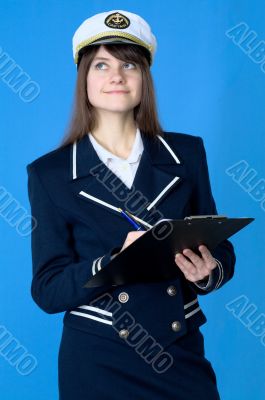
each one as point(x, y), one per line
point(129, 64)
point(99, 64)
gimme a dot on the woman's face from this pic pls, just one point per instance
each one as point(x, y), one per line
point(112, 84)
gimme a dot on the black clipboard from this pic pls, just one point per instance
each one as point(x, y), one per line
point(150, 258)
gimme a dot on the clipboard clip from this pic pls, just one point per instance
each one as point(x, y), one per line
point(213, 217)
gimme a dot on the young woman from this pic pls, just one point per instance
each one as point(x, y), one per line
point(142, 340)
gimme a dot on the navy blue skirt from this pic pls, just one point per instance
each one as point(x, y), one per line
point(93, 367)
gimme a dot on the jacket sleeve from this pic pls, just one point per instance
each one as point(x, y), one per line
point(58, 276)
point(203, 204)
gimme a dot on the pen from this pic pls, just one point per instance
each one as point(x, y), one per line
point(132, 222)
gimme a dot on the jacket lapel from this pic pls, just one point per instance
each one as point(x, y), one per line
point(159, 171)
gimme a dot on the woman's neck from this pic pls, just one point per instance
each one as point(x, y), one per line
point(116, 133)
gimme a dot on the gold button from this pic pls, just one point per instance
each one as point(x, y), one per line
point(176, 326)
point(124, 333)
point(171, 290)
point(123, 297)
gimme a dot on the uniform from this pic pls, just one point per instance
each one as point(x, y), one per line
point(139, 341)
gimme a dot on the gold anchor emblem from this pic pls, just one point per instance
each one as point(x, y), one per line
point(117, 21)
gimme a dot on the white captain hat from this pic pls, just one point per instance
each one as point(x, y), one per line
point(115, 26)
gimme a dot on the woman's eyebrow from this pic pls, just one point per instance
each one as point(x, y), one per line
point(101, 58)
point(104, 58)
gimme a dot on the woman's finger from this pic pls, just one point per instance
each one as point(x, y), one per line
point(191, 274)
point(195, 269)
point(207, 257)
point(195, 258)
point(184, 264)
point(201, 266)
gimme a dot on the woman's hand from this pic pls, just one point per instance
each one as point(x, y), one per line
point(131, 237)
point(196, 268)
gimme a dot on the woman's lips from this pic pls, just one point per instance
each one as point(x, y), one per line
point(117, 92)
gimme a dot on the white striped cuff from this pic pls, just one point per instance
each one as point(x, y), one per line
point(207, 285)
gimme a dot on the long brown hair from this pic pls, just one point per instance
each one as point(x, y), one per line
point(83, 119)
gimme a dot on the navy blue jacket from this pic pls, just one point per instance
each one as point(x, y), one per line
point(74, 198)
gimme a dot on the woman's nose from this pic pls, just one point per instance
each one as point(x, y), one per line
point(117, 75)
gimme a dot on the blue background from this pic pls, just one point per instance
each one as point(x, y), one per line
point(207, 86)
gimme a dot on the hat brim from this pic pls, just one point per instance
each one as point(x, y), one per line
point(115, 40)
point(111, 40)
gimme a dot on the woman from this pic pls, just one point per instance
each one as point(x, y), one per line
point(139, 340)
